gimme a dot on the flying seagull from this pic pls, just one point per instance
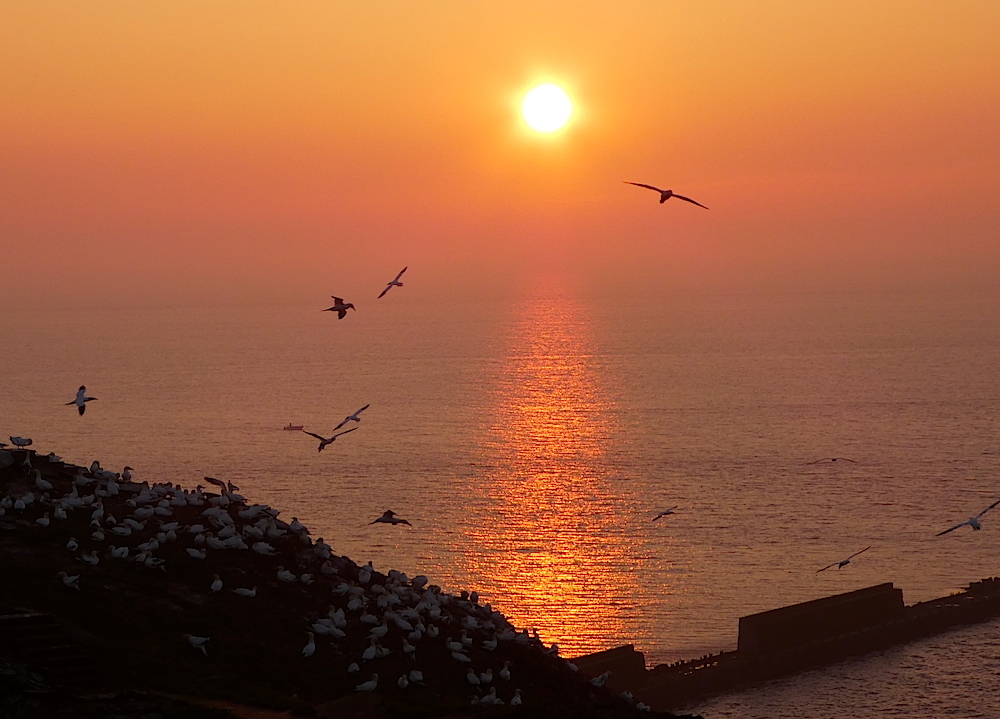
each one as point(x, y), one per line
point(340, 307)
point(843, 562)
point(394, 283)
point(81, 400)
point(971, 521)
point(356, 417)
point(831, 459)
point(665, 194)
point(664, 513)
point(324, 441)
point(389, 517)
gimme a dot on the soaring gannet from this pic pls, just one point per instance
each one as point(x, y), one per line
point(664, 513)
point(81, 400)
point(324, 441)
point(843, 562)
point(832, 459)
point(368, 686)
point(665, 194)
point(389, 517)
point(356, 417)
point(394, 283)
point(340, 307)
point(971, 521)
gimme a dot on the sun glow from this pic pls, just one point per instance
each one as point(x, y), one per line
point(546, 108)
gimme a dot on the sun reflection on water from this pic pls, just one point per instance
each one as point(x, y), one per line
point(549, 544)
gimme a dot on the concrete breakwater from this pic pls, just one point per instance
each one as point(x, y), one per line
point(783, 641)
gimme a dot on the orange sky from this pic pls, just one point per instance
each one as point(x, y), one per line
point(208, 150)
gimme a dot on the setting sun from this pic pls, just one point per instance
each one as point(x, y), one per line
point(546, 108)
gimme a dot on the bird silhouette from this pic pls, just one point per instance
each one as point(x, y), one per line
point(665, 194)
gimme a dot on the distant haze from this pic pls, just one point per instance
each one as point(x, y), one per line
point(229, 152)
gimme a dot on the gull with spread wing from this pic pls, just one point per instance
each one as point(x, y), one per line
point(324, 441)
point(356, 417)
point(843, 562)
point(394, 283)
point(665, 194)
point(971, 521)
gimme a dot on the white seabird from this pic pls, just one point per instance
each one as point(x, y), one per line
point(368, 686)
point(324, 441)
point(971, 521)
point(244, 592)
point(394, 283)
point(216, 585)
point(356, 417)
point(81, 400)
point(71, 581)
point(197, 642)
point(665, 194)
point(310, 648)
point(42, 484)
point(599, 681)
point(516, 701)
point(340, 307)
point(843, 562)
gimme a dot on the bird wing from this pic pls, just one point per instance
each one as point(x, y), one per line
point(83, 408)
point(69, 403)
point(346, 431)
point(639, 184)
point(322, 439)
point(340, 425)
point(338, 300)
point(834, 564)
point(988, 509)
point(846, 459)
point(688, 199)
point(951, 529)
point(825, 459)
point(857, 553)
point(400, 274)
point(363, 409)
point(387, 288)
point(341, 314)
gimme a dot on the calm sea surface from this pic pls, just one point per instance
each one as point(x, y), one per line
point(530, 442)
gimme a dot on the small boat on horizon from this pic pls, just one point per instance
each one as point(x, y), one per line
point(292, 427)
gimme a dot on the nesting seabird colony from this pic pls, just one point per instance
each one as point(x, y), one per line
point(226, 584)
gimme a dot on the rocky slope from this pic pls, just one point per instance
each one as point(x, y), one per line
point(139, 617)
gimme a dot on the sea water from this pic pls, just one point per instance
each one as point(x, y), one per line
point(531, 440)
